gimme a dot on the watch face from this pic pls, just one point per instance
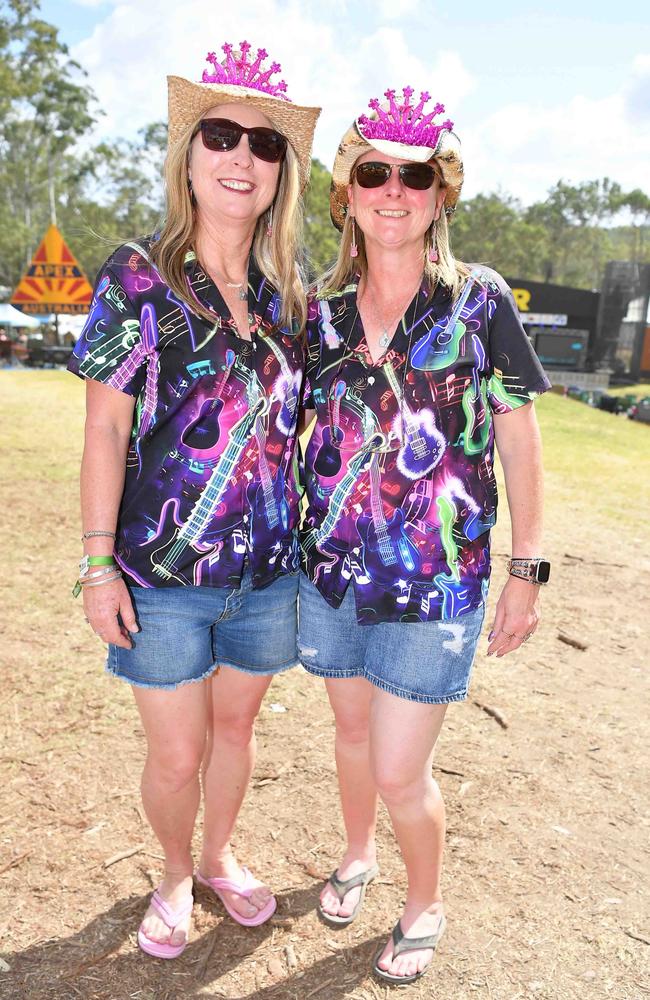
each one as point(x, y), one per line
point(543, 573)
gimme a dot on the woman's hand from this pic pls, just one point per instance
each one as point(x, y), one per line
point(103, 605)
point(517, 616)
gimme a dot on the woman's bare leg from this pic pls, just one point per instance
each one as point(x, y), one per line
point(175, 724)
point(350, 701)
point(235, 699)
point(402, 739)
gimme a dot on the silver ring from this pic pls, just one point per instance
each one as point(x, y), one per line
point(527, 637)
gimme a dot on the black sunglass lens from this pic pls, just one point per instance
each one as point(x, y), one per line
point(372, 175)
point(267, 144)
point(219, 137)
point(418, 176)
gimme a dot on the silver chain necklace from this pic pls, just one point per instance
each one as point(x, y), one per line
point(242, 294)
point(388, 331)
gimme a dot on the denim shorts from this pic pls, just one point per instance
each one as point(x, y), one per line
point(185, 632)
point(429, 662)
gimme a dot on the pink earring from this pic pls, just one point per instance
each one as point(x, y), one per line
point(269, 226)
point(433, 249)
point(354, 249)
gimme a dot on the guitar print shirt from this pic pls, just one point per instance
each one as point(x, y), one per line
point(399, 479)
point(210, 475)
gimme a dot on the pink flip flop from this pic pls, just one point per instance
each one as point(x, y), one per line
point(172, 919)
point(245, 888)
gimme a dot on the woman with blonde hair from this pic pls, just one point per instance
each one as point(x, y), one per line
point(193, 362)
point(417, 365)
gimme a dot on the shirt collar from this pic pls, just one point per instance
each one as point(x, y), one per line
point(263, 300)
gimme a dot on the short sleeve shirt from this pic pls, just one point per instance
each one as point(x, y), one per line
point(211, 475)
point(399, 469)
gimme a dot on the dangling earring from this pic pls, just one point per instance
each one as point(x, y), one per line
point(269, 225)
point(191, 191)
point(354, 249)
point(433, 249)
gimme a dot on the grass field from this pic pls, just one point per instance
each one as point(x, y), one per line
point(546, 877)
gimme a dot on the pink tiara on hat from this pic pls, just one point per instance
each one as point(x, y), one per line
point(238, 71)
point(405, 123)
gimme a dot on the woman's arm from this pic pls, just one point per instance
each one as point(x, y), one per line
point(109, 419)
point(519, 446)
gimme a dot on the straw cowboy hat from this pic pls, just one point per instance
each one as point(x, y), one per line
point(240, 79)
point(403, 130)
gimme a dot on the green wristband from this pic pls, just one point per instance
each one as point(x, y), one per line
point(89, 561)
point(85, 565)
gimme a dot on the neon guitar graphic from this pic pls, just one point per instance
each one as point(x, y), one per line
point(357, 464)
point(422, 443)
point(267, 497)
point(189, 533)
point(389, 556)
point(328, 459)
point(200, 439)
point(440, 346)
point(475, 407)
point(287, 386)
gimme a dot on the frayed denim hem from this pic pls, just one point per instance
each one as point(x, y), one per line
point(161, 686)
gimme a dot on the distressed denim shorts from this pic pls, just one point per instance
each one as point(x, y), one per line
point(429, 662)
point(185, 632)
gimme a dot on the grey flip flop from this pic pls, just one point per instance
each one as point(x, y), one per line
point(341, 888)
point(401, 943)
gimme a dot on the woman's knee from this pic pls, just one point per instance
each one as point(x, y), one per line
point(351, 726)
point(235, 725)
point(399, 784)
point(173, 767)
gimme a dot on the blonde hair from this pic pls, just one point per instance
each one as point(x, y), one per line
point(445, 271)
point(278, 256)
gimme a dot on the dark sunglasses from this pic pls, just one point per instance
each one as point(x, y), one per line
point(418, 176)
point(221, 135)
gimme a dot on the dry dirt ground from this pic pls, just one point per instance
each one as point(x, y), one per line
point(546, 877)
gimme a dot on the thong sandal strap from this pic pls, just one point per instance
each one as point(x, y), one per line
point(342, 886)
point(170, 917)
point(401, 943)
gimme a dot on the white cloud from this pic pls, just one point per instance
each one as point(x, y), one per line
point(393, 10)
point(341, 62)
point(525, 148)
point(130, 52)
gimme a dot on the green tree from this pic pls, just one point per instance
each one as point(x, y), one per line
point(47, 107)
point(321, 238)
point(113, 195)
point(491, 229)
point(573, 217)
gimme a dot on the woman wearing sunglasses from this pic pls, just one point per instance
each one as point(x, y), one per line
point(194, 363)
point(417, 365)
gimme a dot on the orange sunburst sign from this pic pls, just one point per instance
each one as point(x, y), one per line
point(53, 282)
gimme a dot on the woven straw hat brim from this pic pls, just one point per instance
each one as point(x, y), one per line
point(353, 145)
point(188, 101)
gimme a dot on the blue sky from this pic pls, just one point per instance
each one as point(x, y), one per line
point(535, 95)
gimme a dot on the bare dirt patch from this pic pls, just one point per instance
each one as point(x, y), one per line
point(546, 877)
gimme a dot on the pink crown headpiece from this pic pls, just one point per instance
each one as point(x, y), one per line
point(237, 70)
point(405, 123)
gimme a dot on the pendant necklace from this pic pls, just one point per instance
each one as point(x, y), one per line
point(386, 335)
point(242, 294)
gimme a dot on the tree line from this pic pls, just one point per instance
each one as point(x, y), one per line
point(105, 193)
